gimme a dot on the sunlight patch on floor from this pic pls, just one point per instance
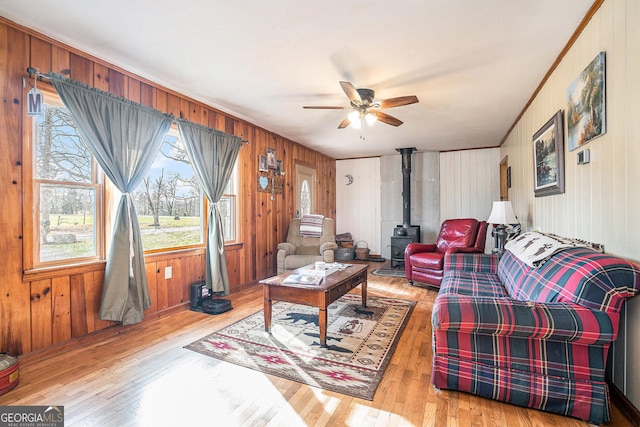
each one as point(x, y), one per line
point(219, 394)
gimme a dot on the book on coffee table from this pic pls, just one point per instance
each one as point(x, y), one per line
point(312, 278)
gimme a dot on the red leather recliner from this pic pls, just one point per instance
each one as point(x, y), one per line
point(424, 262)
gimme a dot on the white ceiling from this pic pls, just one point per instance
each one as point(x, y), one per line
point(473, 64)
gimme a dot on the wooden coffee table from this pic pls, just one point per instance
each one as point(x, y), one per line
point(332, 287)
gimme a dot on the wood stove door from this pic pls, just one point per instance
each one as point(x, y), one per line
point(398, 245)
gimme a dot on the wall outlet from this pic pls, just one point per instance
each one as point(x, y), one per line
point(167, 272)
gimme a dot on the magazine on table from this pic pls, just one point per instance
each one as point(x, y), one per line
point(309, 278)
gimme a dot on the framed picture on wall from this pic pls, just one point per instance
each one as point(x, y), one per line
point(548, 157)
point(262, 163)
point(586, 104)
point(271, 158)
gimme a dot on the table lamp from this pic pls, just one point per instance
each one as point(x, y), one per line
point(501, 216)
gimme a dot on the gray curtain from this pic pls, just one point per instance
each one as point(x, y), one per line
point(124, 137)
point(213, 155)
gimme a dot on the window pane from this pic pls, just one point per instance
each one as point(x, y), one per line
point(305, 198)
point(227, 207)
point(169, 201)
point(67, 222)
point(61, 155)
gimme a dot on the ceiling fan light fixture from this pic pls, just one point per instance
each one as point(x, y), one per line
point(365, 111)
point(370, 118)
point(354, 118)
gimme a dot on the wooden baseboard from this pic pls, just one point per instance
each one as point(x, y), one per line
point(627, 408)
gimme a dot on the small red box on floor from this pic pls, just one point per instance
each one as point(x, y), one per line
point(9, 374)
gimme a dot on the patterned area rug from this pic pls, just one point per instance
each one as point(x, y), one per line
point(389, 272)
point(360, 342)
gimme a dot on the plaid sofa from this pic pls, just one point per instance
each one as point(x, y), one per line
point(535, 337)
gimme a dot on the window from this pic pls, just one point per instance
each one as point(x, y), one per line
point(67, 225)
point(305, 189)
point(67, 191)
point(170, 202)
point(227, 206)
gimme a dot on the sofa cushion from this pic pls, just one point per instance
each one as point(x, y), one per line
point(472, 284)
point(428, 260)
point(308, 250)
point(578, 275)
point(293, 262)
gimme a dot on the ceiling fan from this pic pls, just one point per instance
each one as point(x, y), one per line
point(365, 108)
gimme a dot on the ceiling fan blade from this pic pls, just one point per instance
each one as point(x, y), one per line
point(323, 107)
point(351, 92)
point(385, 118)
point(397, 102)
point(343, 124)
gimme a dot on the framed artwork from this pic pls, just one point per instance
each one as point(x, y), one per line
point(279, 167)
point(271, 158)
point(548, 158)
point(586, 105)
point(262, 163)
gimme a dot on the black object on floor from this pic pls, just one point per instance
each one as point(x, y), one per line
point(216, 306)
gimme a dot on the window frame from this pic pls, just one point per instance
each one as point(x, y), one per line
point(231, 192)
point(31, 196)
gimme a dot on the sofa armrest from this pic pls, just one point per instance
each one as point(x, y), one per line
point(506, 317)
point(466, 250)
point(288, 248)
point(327, 250)
point(476, 262)
point(414, 248)
point(328, 246)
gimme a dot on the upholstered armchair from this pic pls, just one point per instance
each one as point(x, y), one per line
point(300, 250)
point(425, 262)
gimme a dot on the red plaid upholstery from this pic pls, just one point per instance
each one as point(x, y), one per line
point(535, 337)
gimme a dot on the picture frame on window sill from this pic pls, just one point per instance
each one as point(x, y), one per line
point(548, 157)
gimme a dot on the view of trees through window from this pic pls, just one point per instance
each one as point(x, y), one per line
point(66, 190)
point(169, 201)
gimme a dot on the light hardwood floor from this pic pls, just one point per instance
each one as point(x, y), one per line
point(141, 375)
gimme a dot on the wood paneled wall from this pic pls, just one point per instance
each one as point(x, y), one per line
point(40, 309)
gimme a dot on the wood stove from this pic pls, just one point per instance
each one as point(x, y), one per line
point(405, 233)
point(401, 238)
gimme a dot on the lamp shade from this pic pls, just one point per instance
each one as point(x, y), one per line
point(502, 213)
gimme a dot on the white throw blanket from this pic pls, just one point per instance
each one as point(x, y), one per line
point(535, 248)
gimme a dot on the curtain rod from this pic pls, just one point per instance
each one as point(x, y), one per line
point(31, 71)
point(34, 71)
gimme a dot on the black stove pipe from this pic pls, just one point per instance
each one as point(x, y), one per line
point(406, 185)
